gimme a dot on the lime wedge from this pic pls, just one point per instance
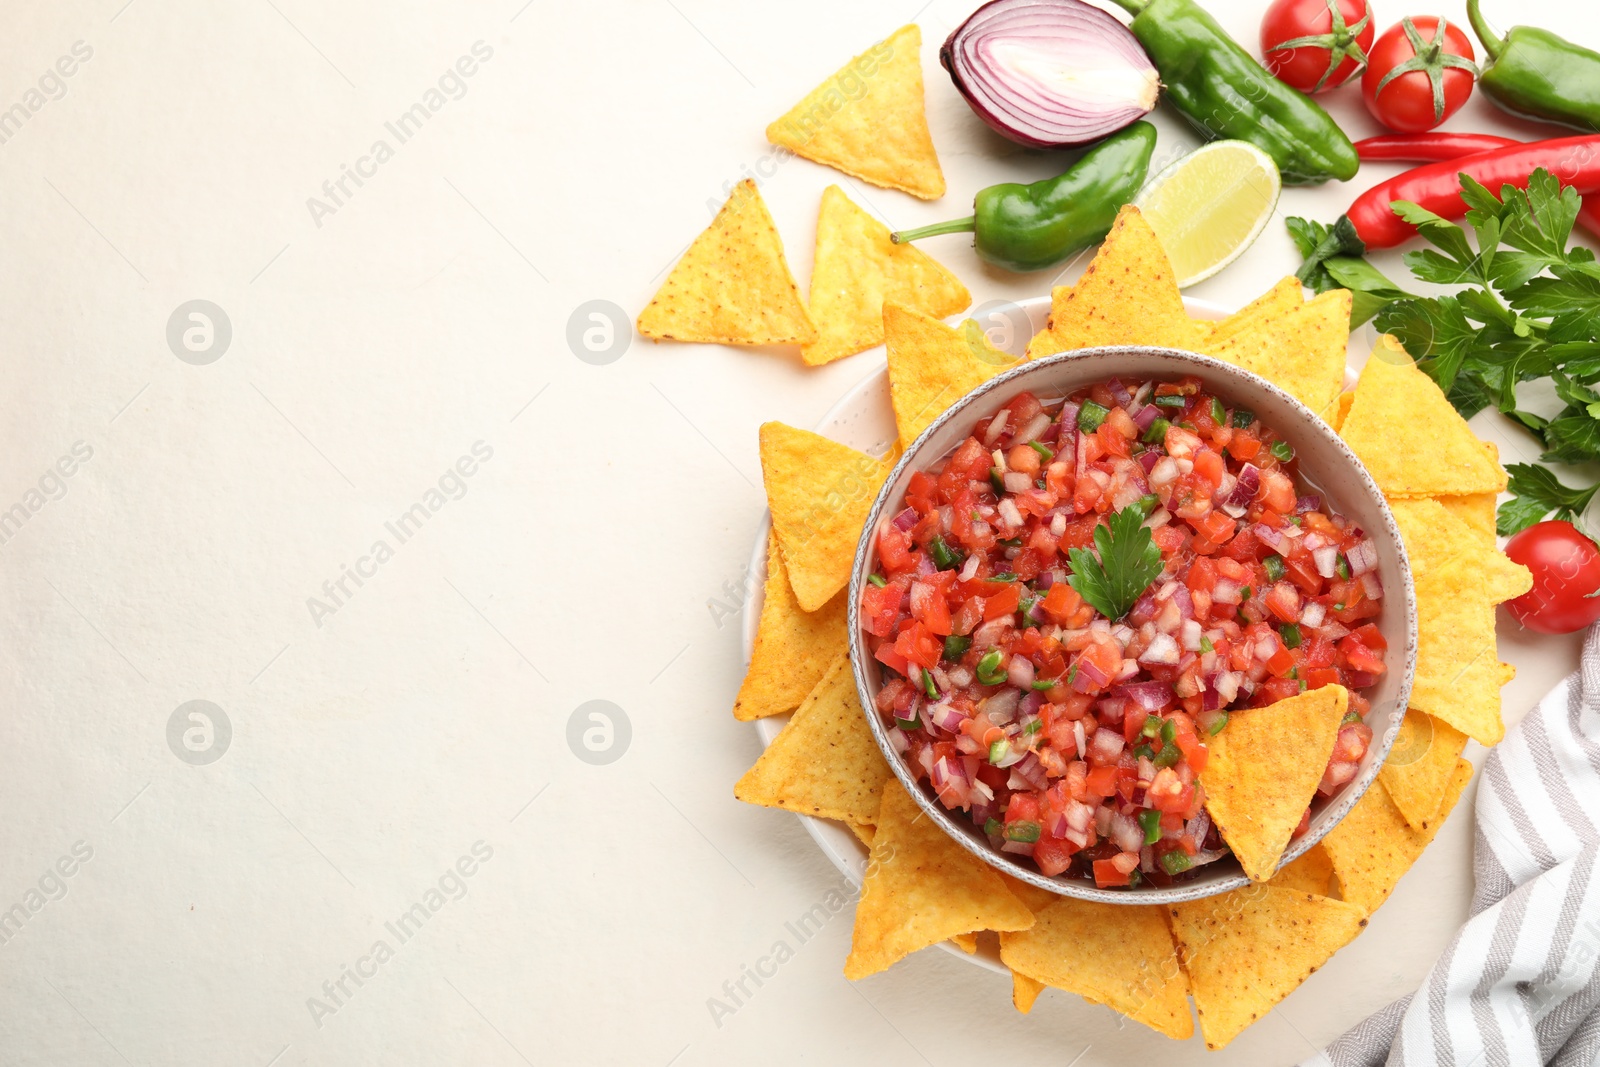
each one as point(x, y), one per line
point(1209, 206)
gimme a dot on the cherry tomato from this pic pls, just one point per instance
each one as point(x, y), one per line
point(1566, 574)
point(1419, 73)
point(1316, 45)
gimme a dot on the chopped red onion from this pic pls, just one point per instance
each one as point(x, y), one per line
point(1020, 672)
point(946, 717)
point(1030, 704)
point(997, 426)
point(1362, 557)
point(1271, 537)
point(1326, 559)
point(1002, 707)
point(1150, 696)
point(1164, 473)
point(1033, 428)
point(1120, 394)
point(1372, 586)
point(1309, 502)
point(1313, 614)
point(1105, 746)
point(905, 520)
point(1149, 458)
point(1162, 649)
point(1147, 415)
point(1128, 837)
point(1244, 490)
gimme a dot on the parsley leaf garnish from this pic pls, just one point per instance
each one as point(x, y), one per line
point(1537, 492)
point(1525, 308)
point(1124, 564)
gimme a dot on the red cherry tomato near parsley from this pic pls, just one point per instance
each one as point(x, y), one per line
point(1316, 45)
point(1418, 74)
point(1566, 570)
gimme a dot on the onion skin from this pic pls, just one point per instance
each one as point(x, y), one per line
point(1103, 80)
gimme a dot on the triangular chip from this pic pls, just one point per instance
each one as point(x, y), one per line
point(820, 492)
point(793, 649)
point(932, 365)
point(1024, 991)
point(1411, 439)
point(967, 943)
point(1437, 539)
point(1341, 411)
point(1311, 873)
point(864, 833)
point(1263, 772)
point(1373, 845)
point(825, 761)
point(1035, 898)
point(1126, 296)
point(922, 888)
point(1279, 300)
point(1420, 766)
point(1246, 950)
point(1458, 577)
point(1476, 510)
point(733, 285)
point(856, 270)
point(1301, 351)
point(869, 120)
point(1119, 955)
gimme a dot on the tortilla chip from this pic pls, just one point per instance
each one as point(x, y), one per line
point(868, 120)
point(1341, 411)
point(793, 648)
point(1411, 439)
point(1263, 773)
point(1437, 539)
point(1035, 898)
point(825, 761)
point(1373, 845)
point(1024, 991)
point(1301, 351)
point(820, 492)
point(1275, 302)
point(1246, 950)
point(1311, 873)
point(932, 365)
point(1119, 955)
point(967, 943)
point(733, 285)
point(1476, 510)
point(1458, 577)
point(857, 268)
point(1126, 296)
point(863, 831)
point(1420, 765)
point(922, 888)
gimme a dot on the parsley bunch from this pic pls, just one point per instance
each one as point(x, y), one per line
point(1528, 309)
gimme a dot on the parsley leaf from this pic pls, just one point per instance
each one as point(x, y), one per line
point(1126, 561)
point(1536, 492)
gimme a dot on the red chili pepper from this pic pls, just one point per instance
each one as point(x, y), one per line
point(1438, 147)
point(1428, 147)
point(1370, 223)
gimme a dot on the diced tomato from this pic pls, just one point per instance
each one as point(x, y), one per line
point(1371, 636)
point(880, 606)
point(1283, 601)
point(890, 658)
point(919, 646)
point(1209, 465)
point(1063, 604)
point(929, 606)
point(1053, 854)
point(1004, 603)
point(1275, 689)
point(1281, 662)
point(1215, 526)
point(894, 548)
point(1102, 781)
point(1317, 677)
point(1187, 738)
point(1022, 807)
point(1358, 657)
point(920, 490)
point(1106, 874)
point(1244, 446)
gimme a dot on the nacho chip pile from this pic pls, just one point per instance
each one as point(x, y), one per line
point(733, 286)
point(1233, 955)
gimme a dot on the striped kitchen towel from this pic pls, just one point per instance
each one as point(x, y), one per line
point(1520, 984)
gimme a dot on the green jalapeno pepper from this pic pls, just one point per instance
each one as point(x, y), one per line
point(1031, 227)
point(1536, 74)
point(1224, 92)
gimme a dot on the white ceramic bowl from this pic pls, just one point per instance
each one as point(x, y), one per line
point(1325, 462)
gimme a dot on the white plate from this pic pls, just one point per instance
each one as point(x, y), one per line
point(864, 419)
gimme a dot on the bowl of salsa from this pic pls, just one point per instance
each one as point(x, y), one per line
point(1074, 577)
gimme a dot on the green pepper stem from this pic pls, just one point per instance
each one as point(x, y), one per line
point(1132, 7)
point(1342, 241)
point(966, 225)
point(1492, 45)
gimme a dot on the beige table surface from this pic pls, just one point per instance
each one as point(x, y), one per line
point(402, 761)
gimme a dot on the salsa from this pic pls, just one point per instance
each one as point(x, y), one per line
point(1072, 601)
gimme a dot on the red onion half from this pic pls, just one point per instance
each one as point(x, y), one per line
point(1050, 73)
